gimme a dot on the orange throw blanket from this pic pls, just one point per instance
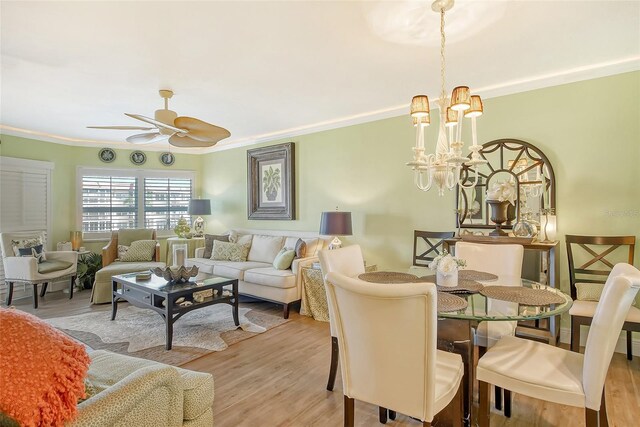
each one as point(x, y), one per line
point(42, 371)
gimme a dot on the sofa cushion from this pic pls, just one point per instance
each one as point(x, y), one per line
point(235, 237)
point(108, 368)
point(46, 267)
point(205, 265)
point(28, 242)
point(227, 251)
point(235, 270)
point(208, 243)
point(265, 248)
point(36, 251)
point(269, 276)
point(139, 251)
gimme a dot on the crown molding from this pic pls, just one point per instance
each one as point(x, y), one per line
point(511, 87)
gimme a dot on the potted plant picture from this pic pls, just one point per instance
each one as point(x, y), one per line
point(271, 183)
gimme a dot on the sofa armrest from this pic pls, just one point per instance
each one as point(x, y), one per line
point(68, 256)
point(25, 268)
point(300, 263)
point(199, 253)
point(110, 406)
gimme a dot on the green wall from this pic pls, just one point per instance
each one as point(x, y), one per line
point(589, 130)
point(67, 158)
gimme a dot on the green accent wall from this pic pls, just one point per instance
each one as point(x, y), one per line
point(67, 159)
point(590, 131)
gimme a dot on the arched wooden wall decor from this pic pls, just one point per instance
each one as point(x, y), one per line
point(514, 160)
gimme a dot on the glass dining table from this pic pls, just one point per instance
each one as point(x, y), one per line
point(456, 329)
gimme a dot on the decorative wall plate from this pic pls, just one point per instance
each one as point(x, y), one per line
point(167, 159)
point(138, 158)
point(107, 155)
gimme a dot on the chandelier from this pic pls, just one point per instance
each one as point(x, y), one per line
point(443, 167)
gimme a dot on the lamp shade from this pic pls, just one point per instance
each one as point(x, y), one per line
point(420, 106)
point(426, 120)
point(476, 107)
point(452, 118)
point(460, 98)
point(199, 207)
point(335, 224)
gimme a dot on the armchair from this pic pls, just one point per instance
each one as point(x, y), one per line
point(111, 266)
point(27, 270)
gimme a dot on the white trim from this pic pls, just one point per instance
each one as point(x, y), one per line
point(135, 173)
point(560, 77)
point(621, 345)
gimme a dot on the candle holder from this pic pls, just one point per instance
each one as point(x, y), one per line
point(548, 226)
point(179, 255)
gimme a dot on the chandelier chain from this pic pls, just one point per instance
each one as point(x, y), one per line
point(442, 65)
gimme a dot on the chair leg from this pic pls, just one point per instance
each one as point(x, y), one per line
point(349, 411)
point(591, 418)
point(457, 411)
point(507, 403)
point(392, 414)
point(43, 290)
point(604, 421)
point(483, 410)
point(35, 295)
point(285, 311)
point(629, 346)
point(382, 415)
point(71, 286)
point(575, 335)
point(426, 424)
point(333, 369)
point(10, 293)
point(497, 394)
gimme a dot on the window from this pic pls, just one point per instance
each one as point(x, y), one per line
point(111, 199)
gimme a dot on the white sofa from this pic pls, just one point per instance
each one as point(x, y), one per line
point(257, 277)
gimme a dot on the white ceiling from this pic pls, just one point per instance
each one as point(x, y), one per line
point(271, 69)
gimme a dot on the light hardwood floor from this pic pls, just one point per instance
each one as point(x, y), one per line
point(278, 379)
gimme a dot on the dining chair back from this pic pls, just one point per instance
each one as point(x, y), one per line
point(388, 334)
point(605, 329)
point(432, 242)
point(350, 262)
point(496, 259)
point(591, 260)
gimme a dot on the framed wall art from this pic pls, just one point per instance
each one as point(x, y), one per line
point(271, 182)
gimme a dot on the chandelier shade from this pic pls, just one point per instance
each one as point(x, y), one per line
point(461, 98)
point(452, 118)
point(476, 109)
point(420, 106)
point(426, 120)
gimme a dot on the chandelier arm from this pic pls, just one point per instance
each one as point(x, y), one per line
point(474, 183)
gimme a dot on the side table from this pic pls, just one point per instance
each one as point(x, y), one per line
point(192, 245)
point(314, 297)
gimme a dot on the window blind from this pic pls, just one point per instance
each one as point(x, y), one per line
point(109, 203)
point(165, 201)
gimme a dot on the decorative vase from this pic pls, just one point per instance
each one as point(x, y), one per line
point(511, 213)
point(448, 280)
point(498, 215)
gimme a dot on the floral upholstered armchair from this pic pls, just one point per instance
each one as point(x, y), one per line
point(27, 261)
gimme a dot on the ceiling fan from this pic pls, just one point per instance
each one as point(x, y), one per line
point(181, 131)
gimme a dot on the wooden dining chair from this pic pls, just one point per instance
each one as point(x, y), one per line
point(388, 337)
point(434, 241)
point(590, 262)
point(556, 375)
point(501, 260)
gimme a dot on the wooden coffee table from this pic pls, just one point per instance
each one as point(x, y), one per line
point(152, 292)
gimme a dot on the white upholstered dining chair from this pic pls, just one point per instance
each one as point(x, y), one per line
point(350, 262)
point(501, 260)
point(552, 374)
point(387, 335)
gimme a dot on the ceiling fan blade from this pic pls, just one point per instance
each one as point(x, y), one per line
point(146, 138)
point(202, 131)
point(155, 122)
point(184, 141)
point(120, 127)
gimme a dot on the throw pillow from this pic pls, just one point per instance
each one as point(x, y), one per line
point(227, 251)
point(301, 249)
point(16, 245)
point(35, 252)
point(208, 243)
point(284, 259)
point(589, 291)
point(47, 371)
point(140, 251)
point(122, 249)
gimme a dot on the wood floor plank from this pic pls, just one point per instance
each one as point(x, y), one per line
point(278, 379)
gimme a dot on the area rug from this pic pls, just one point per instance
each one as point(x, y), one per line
point(141, 333)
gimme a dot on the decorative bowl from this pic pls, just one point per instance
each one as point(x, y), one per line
point(176, 274)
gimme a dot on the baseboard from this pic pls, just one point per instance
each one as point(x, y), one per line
point(621, 345)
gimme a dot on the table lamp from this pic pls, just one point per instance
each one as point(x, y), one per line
point(76, 240)
point(199, 207)
point(335, 224)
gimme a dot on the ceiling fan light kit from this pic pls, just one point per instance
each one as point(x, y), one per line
point(180, 131)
